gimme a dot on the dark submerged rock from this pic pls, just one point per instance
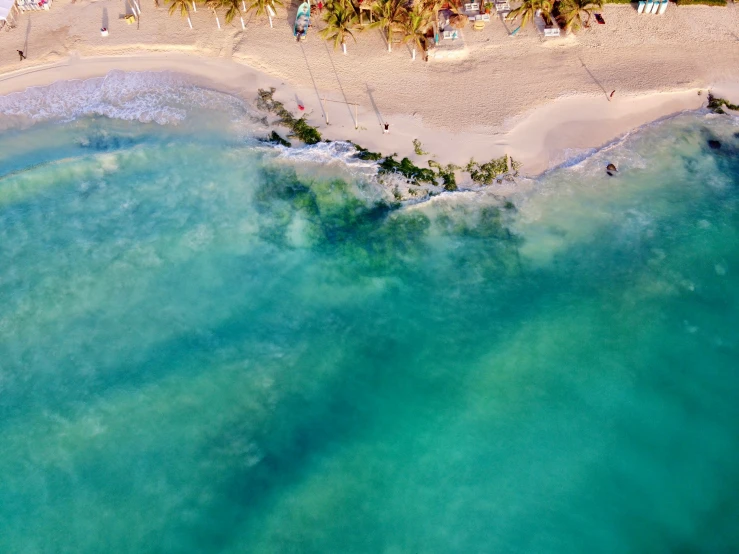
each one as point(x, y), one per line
point(714, 144)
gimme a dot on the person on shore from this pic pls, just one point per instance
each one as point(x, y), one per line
point(21, 55)
point(386, 130)
point(320, 7)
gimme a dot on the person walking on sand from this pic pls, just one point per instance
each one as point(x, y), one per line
point(612, 93)
point(386, 130)
point(21, 55)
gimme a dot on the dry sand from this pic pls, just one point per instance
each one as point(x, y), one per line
point(536, 99)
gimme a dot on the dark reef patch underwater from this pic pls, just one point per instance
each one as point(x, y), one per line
point(208, 344)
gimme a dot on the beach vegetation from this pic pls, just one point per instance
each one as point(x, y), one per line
point(340, 18)
point(299, 128)
point(417, 148)
point(717, 105)
point(182, 6)
point(415, 25)
point(407, 169)
point(262, 7)
point(485, 174)
point(575, 14)
point(275, 138)
point(446, 174)
point(390, 16)
point(233, 9)
point(528, 9)
point(364, 154)
point(213, 5)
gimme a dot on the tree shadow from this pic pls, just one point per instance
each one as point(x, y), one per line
point(502, 21)
point(336, 74)
point(374, 106)
point(28, 33)
point(595, 80)
point(315, 87)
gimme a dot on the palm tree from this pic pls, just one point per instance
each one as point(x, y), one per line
point(183, 7)
point(261, 7)
point(232, 10)
point(340, 18)
point(528, 9)
point(570, 13)
point(390, 15)
point(214, 5)
point(415, 25)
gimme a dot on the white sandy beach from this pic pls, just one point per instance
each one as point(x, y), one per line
point(539, 100)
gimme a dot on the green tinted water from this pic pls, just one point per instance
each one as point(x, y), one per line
point(203, 349)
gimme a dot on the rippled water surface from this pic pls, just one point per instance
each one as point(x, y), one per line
point(207, 345)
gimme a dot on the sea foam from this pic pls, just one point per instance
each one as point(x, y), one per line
point(159, 97)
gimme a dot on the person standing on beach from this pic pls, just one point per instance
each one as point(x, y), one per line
point(612, 93)
point(21, 55)
point(387, 129)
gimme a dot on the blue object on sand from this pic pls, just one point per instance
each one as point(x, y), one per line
point(302, 20)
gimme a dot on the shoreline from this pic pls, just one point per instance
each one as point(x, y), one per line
point(544, 138)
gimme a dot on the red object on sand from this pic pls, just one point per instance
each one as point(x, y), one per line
point(301, 107)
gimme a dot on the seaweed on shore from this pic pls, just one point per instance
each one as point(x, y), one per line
point(299, 127)
point(275, 138)
point(717, 104)
point(406, 168)
point(417, 148)
point(485, 174)
point(364, 154)
point(447, 174)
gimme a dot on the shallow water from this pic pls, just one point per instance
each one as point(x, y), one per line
point(208, 345)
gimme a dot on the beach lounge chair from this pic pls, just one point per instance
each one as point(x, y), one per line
point(447, 35)
point(642, 5)
point(551, 31)
point(663, 7)
point(649, 6)
point(655, 6)
point(486, 17)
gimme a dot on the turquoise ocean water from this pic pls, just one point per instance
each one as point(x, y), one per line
point(211, 345)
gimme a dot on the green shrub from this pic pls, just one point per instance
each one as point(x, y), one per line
point(417, 148)
point(446, 174)
point(364, 154)
point(406, 168)
point(717, 104)
point(277, 139)
point(619, 2)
